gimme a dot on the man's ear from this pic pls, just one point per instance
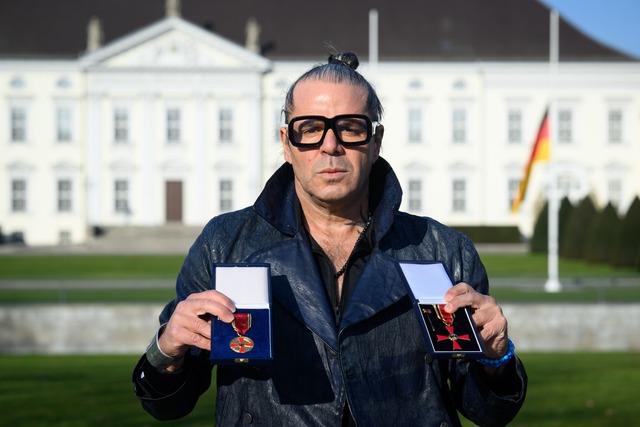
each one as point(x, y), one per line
point(286, 148)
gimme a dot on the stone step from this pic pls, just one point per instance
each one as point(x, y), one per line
point(173, 239)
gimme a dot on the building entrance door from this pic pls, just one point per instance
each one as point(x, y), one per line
point(174, 201)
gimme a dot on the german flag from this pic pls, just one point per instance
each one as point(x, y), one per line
point(539, 154)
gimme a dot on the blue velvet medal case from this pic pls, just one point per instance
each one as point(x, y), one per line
point(247, 340)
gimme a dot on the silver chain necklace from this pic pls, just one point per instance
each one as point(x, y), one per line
point(340, 272)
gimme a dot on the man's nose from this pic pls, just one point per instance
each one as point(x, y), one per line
point(330, 144)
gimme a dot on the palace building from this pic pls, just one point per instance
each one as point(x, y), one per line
point(124, 113)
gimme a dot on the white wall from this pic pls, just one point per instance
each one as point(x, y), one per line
point(128, 328)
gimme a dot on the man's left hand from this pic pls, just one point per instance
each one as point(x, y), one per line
point(487, 315)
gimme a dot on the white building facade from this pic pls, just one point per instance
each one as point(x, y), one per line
point(174, 124)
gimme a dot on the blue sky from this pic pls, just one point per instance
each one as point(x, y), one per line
point(615, 23)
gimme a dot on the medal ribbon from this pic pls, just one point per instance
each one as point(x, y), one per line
point(447, 318)
point(241, 322)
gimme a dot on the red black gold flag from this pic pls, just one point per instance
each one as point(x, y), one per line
point(539, 154)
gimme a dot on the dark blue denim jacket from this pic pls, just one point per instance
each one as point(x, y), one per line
point(377, 360)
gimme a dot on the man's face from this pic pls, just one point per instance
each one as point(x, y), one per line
point(332, 175)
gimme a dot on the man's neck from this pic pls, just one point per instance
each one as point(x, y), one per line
point(330, 220)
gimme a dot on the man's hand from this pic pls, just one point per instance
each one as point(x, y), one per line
point(486, 314)
point(190, 324)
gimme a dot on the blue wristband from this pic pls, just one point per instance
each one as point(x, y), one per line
point(496, 363)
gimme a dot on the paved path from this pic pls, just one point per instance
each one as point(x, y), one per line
point(534, 284)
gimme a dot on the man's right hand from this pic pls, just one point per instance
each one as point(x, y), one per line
point(190, 324)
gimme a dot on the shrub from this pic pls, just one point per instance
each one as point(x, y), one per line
point(540, 238)
point(601, 234)
point(627, 240)
point(491, 234)
point(574, 235)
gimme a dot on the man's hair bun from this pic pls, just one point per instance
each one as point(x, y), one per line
point(349, 59)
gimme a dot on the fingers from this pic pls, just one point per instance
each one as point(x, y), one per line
point(463, 295)
point(486, 313)
point(190, 324)
point(212, 303)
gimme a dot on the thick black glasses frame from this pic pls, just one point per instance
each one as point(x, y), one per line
point(330, 123)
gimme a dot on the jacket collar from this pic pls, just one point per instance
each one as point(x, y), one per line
point(278, 203)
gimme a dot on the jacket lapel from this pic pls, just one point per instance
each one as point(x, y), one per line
point(380, 285)
point(297, 286)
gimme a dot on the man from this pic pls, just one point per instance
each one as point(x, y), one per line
point(347, 347)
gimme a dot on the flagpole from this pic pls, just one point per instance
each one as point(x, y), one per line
point(553, 282)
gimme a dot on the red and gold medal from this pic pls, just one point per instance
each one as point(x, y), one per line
point(447, 319)
point(241, 324)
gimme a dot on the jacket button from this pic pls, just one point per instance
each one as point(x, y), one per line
point(444, 424)
point(247, 418)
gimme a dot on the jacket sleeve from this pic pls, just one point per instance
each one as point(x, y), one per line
point(168, 396)
point(489, 401)
point(486, 400)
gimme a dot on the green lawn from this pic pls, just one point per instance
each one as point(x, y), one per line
point(565, 389)
point(167, 266)
point(38, 267)
point(62, 295)
point(535, 265)
point(502, 294)
point(66, 270)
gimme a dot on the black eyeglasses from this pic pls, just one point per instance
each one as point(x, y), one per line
point(350, 130)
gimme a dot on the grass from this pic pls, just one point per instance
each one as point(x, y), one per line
point(535, 265)
point(569, 295)
point(78, 391)
point(75, 296)
point(565, 389)
point(107, 296)
point(70, 269)
point(52, 267)
point(581, 389)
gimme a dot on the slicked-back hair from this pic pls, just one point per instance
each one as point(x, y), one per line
point(340, 69)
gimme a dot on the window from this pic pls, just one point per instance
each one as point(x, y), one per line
point(225, 122)
point(415, 125)
point(226, 195)
point(64, 195)
point(514, 124)
point(459, 126)
point(459, 195)
point(121, 125)
point(565, 125)
point(18, 195)
point(18, 124)
point(415, 195)
point(63, 124)
point(121, 199)
point(615, 126)
point(173, 125)
point(568, 186)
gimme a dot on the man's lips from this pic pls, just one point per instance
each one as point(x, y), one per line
point(332, 174)
point(331, 171)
